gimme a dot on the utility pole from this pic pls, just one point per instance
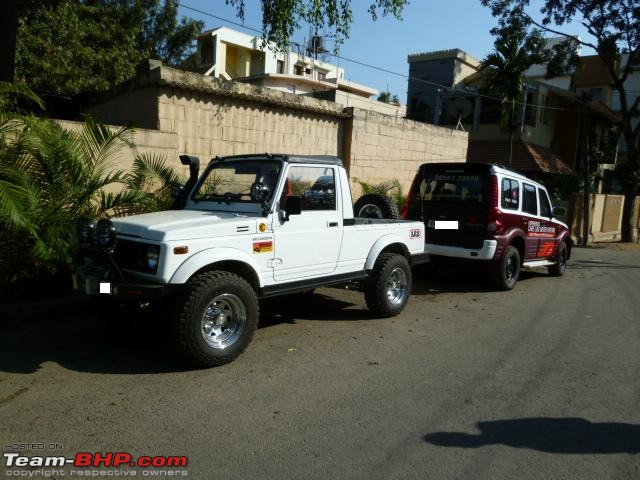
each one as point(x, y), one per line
point(584, 153)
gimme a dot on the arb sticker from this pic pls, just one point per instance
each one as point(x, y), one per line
point(415, 233)
point(263, 247)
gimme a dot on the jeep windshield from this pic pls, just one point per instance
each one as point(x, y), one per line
point(245, 181)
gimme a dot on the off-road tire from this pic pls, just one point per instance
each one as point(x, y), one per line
point(378, 285)
point(506, 272)
point(560, 266)
point(200, 292)
point(375, 205)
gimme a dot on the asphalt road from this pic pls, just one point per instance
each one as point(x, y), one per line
point(541, 382)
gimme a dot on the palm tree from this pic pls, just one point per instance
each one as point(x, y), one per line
point(515, 51)
point(49, 177)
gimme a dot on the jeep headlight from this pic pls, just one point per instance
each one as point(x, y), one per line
point(153, 256)
point(105, 233)
point(85, 230)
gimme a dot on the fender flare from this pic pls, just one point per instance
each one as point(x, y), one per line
point(380, 245)
point(209, 256)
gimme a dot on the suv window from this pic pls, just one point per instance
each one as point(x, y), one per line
point(530, 203)
point(316, 186)
point(510, 194)
point(453, 187)
point(545, 206)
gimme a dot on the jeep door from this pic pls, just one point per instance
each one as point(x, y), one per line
point(308, 245)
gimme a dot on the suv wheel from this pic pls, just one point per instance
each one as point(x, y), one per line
point(508, 269)
point(388, 287)
point(217, 319)
point(560, 266)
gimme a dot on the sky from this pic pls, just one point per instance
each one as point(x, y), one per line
point(426, 25)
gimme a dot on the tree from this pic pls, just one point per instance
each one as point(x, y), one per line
point(281, 19)
point(386, 97)
point(615, 27)
point(516, 49)
point(69, 47)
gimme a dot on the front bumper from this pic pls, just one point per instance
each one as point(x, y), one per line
point(96, 273)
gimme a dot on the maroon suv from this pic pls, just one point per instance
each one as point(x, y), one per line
point(488, 213)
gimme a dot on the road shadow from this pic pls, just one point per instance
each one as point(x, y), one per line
point(550, 435)
point(587, 264)
point(83, 342)
point(79, 339)
point(310, 306)
point(467, 277)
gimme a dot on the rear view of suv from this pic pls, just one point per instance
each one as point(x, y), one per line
point(488, 213)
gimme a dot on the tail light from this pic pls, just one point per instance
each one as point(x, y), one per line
point(410, 197)
point(494, 220)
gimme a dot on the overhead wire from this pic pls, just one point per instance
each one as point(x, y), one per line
point(451, 89)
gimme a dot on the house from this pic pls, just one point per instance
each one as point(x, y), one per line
point(232, 55)
point(445, 88)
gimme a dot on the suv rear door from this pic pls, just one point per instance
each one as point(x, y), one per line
point(457, 194)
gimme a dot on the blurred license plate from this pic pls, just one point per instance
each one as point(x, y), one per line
point(443, 224)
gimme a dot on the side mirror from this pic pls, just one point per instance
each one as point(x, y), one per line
point(292, 206)
point(559, 212)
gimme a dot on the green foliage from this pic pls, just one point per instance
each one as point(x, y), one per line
point(68, 47)
point(386, 97)
point(281, 19)
point(516, 49)
point(383, 188)
point(49, 177)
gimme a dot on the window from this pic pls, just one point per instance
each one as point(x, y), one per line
point(545, 206)
point(530, 203)
point(322, 75)
point(510, 194)
point(530, 109)
point(316, 186)
point(280, 66)
point(297, 69)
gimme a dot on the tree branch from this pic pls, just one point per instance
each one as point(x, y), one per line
point(557, 32)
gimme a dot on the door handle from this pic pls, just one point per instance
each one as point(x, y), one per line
point(332, 224)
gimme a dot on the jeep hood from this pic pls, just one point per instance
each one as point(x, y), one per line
point(184, 225)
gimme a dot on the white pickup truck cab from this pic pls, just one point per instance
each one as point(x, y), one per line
point(250, 227)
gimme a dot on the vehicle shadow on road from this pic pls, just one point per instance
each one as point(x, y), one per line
point(85, 343)
point(550, 435)
point(460, 278)
point(586, 264)
point(311, 306)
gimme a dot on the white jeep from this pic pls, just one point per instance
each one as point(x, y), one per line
point(250, 227)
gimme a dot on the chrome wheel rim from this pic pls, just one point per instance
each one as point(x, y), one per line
point(370, 211)
point(223, 321)
point(397, 286)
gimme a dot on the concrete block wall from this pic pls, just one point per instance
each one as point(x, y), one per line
point(386, 147)
point(209, 126)
point(140, 141)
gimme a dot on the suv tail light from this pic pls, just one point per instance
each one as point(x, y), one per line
point(411, 196)
point(494, 220)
